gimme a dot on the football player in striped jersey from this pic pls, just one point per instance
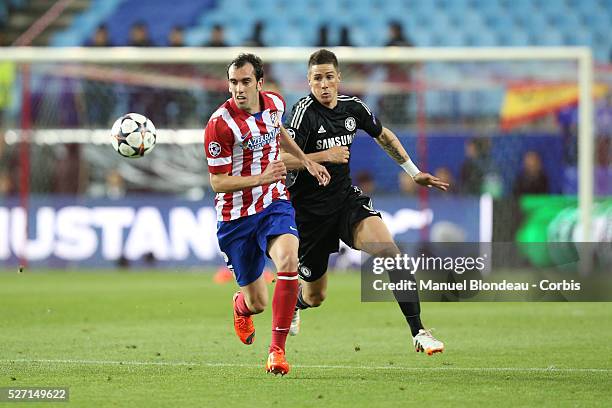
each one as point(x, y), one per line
point(242, 142)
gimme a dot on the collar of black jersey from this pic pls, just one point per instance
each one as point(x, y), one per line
point(321, 105)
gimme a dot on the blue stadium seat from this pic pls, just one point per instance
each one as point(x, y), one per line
point(395, 10)
point(578, 37)
point(84, 25)
point(516, 38)
point(421, 38)
point(197, 36)
point(182, 12)
point(281, 34)
point(597, 19)
point(451, 38)
point(530, 19)
point(548, 37)
point(564, 19)
point(423, 8)
point(484, 38)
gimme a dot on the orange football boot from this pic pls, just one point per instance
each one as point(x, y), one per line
point(277, 364)
point(243, 325)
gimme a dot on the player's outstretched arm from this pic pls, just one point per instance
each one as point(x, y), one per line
point(224, 183)
point(301, 160)
point(393, 147)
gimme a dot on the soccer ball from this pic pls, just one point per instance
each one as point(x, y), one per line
point(133, 135)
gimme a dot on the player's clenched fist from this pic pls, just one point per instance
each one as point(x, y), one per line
point(338, 154)
point(274, 172)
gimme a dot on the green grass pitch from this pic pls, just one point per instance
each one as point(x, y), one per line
point(149, 339)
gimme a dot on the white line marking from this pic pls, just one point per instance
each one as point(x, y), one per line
point(339, 367)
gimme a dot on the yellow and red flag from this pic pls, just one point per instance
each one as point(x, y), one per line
point(525, 103)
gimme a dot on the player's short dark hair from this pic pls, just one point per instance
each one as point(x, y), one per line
point(243, 59)
point(323, 56)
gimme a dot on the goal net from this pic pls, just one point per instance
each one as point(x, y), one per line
point(502, 125)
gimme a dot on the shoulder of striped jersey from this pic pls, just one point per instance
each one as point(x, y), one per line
point(276, 97)
point(217, 126)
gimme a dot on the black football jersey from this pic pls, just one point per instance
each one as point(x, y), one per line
point(315, 128)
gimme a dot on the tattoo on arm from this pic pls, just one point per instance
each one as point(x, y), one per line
point(390, 144)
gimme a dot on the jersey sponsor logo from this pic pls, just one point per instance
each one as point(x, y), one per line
point(305, 271)
point(343, 140)
point(350, 124)
point(321, 130)
point(214, 149)
point(257, 142)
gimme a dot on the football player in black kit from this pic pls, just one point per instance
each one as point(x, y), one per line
point(324, 124)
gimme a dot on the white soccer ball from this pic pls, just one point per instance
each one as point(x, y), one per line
point(133, 135)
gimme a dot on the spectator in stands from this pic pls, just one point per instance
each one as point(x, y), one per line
point(217, 37)
point(444, 174)
point(176, 37)
point(70, 176)
point(345, 37)
point(397, 37)
point(139, 35)
point(215, 96)
point(6, 184)
point(8, 165)
point(180, 105)
point(532, 180)
point(394, 107)
point(472, 173)
point(256, 39)
point(115, 185)
point(141, 99)
point(365, 182)
point(100, 97)
point(323, 37)
point(100, 37)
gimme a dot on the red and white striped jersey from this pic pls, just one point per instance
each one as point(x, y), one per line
point(240, 144)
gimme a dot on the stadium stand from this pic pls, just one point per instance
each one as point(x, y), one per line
point(435, 23)
point(428, 23)
point(476, 23)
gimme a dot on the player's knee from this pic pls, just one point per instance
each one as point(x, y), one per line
point(315, 299)
point(286, 261)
